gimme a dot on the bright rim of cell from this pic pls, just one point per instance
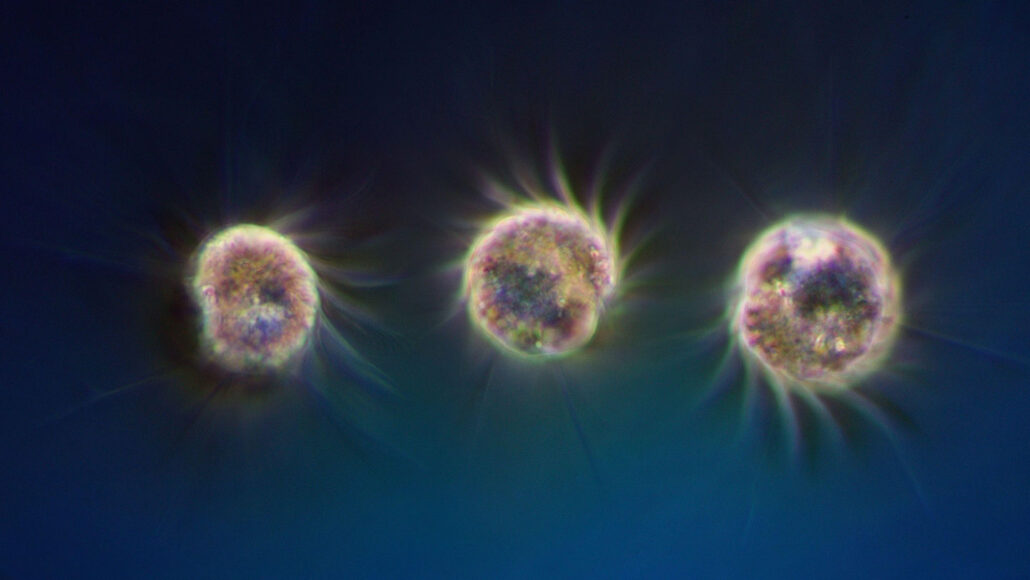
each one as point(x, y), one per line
point(553, 211)
point(258, 298)
point(813, 232)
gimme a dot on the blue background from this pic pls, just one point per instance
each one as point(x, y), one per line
point(639, 457)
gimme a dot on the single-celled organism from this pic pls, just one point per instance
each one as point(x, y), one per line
point(818, 303)
point(536, 280)
point(258, 299)
point(541, 280)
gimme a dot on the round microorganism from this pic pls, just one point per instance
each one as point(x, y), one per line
point(258, 299)
point(818, 302)
point(537, 280)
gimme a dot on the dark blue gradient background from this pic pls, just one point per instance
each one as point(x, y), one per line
point(912, 119)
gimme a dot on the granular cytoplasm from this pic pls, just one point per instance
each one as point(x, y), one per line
point(537, 280)
point(818, 302)
point(258, 299)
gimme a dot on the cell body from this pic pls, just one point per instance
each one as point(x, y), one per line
point(258, 298)
point(818, 302)
point(537, 280)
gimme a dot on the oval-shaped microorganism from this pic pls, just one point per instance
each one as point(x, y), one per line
point(818, 302)
point(258, 298)
point(536, 281)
